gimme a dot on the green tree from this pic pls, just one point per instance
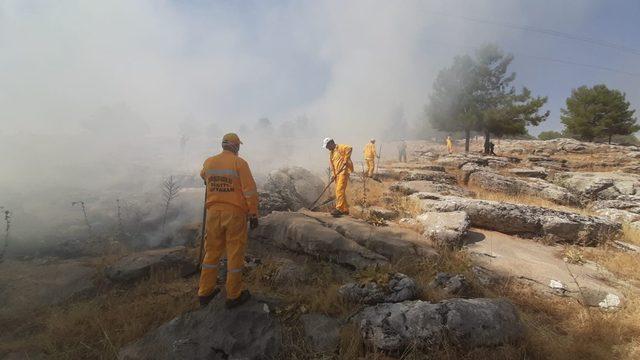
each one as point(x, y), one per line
point(598, 112)
point(452, 104)
point(549, 135)
point(477, 94)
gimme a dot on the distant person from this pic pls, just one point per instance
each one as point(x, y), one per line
point(491, 147)
point(341, 167)
point(370, 155)
point(449, 144)
point(402, 151)
point(232, 200)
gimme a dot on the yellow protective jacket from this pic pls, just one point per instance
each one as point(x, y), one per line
point(230, 185)
point(370, 151)
point(340, 156)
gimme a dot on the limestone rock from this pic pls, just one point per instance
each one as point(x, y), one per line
point(599, 185)
point(467, 323)
point(412, 187)
point(399, 288)
point(138, 265)
point(535, 172)
point(525, 220)
point(445, 228)
point(246, 332)
point(290, 188)
point(451, 285)
point(392, 242)
point(532, 187)
point(303, 234)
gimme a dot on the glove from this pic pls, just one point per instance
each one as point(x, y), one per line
point(253, 222)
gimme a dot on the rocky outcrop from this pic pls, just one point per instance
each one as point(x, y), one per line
point(397, 288)
point(525, 220)
point(450, 285)
point(466, 323)
point(534, 172)
point(290, 188)
point(626, 209)
point(445, 228)
point(138, 265)
point(514, 186)
point(599, 185)
point(306, 235)
point(412, 187)
point(392, 242)
point(247, 332)
point(434, 176)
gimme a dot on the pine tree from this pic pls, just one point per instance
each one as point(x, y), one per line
point(598, 113)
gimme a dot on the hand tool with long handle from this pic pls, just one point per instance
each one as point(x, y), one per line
point(202, 230)
point(313, 205)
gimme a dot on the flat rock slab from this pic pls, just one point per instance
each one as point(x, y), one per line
point(30, 284)
point(248, 332)
point(599, 185)
point(392, 242)
point(537, 172)
point(537, 264)
point(304, 234)
point(138, 265)
point(412, 187)
point(491, 181)
point(467, 323)
point(445, 229)
point(525, 220)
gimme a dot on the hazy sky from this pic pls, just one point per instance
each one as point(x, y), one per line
point(347, 64)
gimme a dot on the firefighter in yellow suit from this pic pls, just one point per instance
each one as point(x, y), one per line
point(370, 155)
point(449, 144)
point(341, 166)
point(232, 201)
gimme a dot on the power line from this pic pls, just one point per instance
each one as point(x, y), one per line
point(549, 59)
point(548, 32)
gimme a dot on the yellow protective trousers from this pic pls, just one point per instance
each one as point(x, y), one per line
point(371, 166)
point(341, 192)
point(226, 229)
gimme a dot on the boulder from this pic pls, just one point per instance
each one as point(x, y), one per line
point(398, 288)
point(535, 172)
point(599, 185)
point(322, 332)
point(392, 242)
point(290, 188)
point(304, 234)
point(412, 187)
point(532, 187)
point(525, 220)
point(246, 332)
point(451, 285)
point(382, 213)
point(138, 265)
point(467, 323)
point(445, 229)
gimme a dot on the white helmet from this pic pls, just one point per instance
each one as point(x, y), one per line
point(325, 142)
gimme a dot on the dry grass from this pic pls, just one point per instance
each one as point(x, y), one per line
point(631, 234)
point(97, 328)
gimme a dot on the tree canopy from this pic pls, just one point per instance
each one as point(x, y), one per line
point(598, 112)
point(477, 94)
point(549, 135)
